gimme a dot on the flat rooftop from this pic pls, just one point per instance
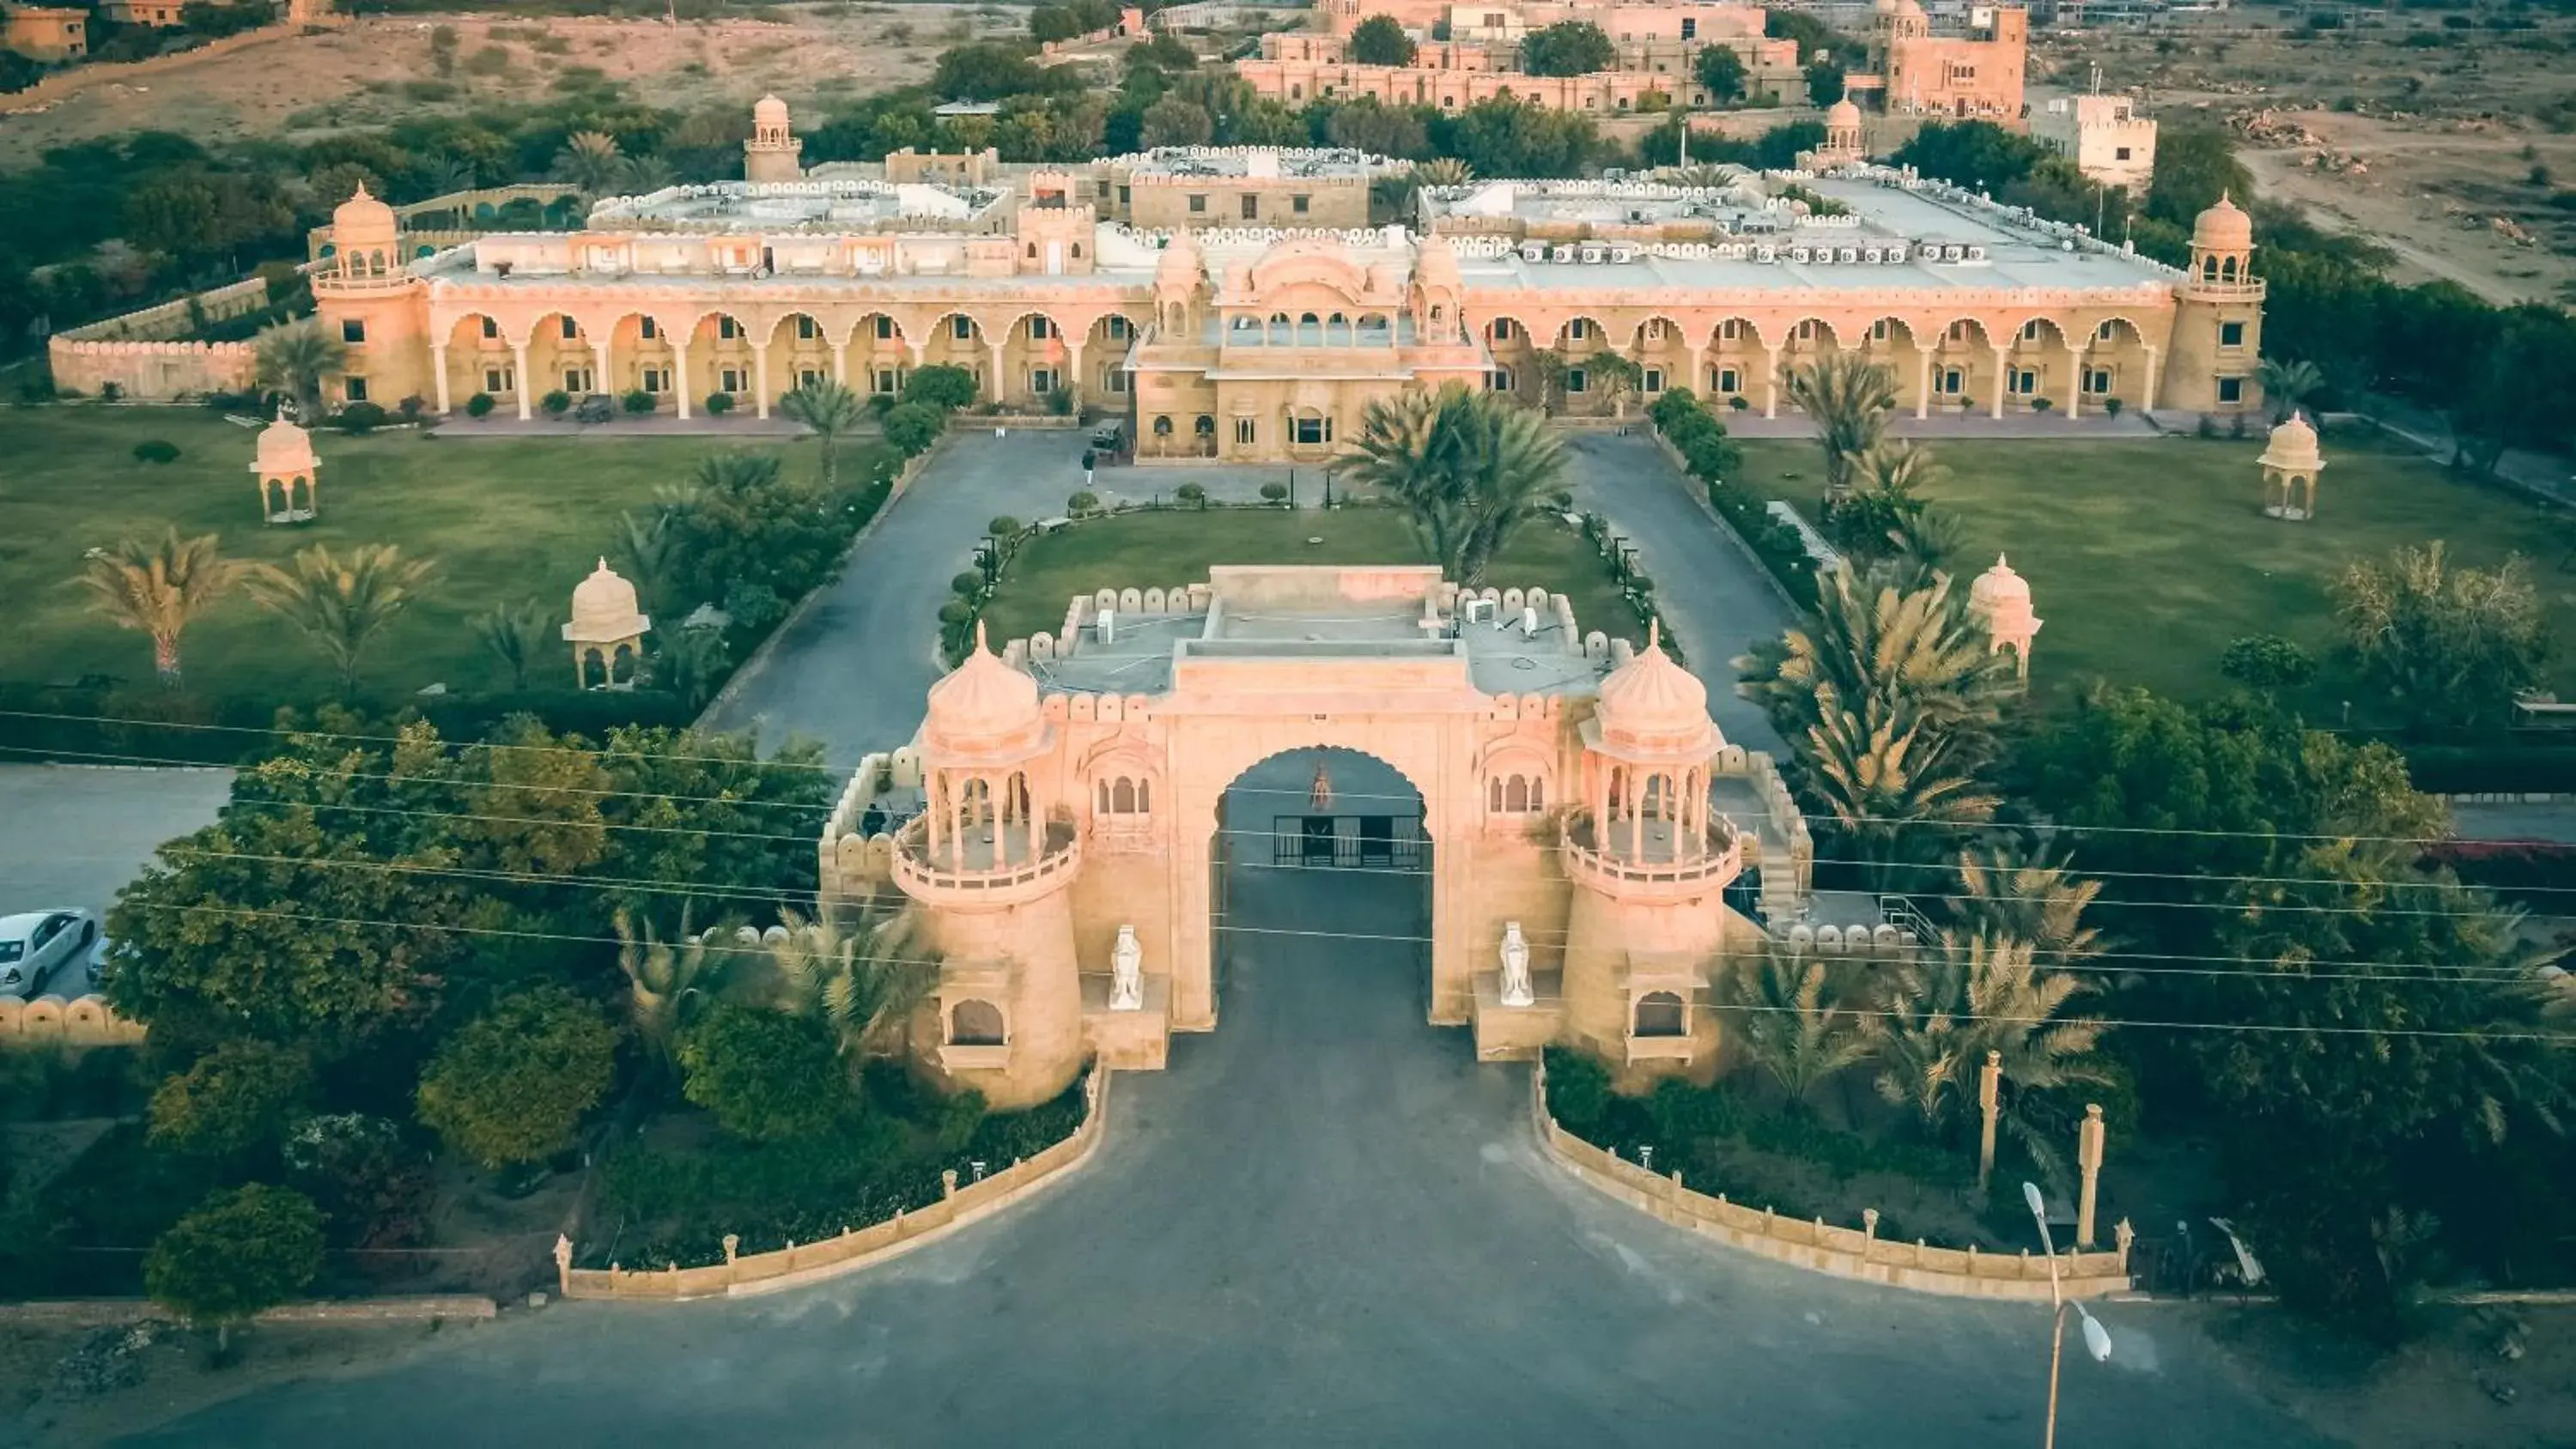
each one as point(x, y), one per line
point(1295, 613)
point(825, 205)
point(1246, 162)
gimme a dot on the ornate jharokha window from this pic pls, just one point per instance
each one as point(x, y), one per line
point(975, 1023)
point(1515, 794)
point(1659, 1013)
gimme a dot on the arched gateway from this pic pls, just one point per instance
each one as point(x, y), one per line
point(1064, 797)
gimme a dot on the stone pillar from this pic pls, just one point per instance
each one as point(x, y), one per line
point(2003, 376)
point(606, 381)
point(1770, 382)
point(438, 376)
point(1922, 381)
point(680, 375)
point(2088, 1155)
point(1699, 372)
point(1073, 374)
point(1990, 1079)
point(760, 381)
point(1001, 379)
point(2150, 404)
point(519, 375)
point(2075, 392)
point(841, 362)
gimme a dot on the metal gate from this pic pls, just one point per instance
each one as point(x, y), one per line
point(1350, 842)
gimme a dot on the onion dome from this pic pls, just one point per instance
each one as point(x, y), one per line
point(363, 221)
point(285, 451)
point(1652, 705)
point(1435, 265)
point(769, 111)
point(2293, 447)
point(984, 708)
point(1181, 265)
point(2223, 228)
point(1842, 115)
point(605, 609)
point(1998, 590)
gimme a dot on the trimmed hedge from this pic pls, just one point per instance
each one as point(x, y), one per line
point(1710, 455)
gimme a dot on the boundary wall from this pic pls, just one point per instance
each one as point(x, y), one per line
point(1857, 1253)
point(80, 1021)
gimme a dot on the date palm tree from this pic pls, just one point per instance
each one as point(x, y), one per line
point(862, 981)
point(518, 635)
point(830, 410)
point(646, 555)
point(158, 589)
point(669, 982)
point(591, 161)
point(1467, 469)
point(1848, 398)
point(1791, 1024)
point(294, 358)
point(2288, 384)
point(342, 604)
point(1945, 1010)
point(2013, 894)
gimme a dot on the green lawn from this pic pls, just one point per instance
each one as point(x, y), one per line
point(2147, 556)
point(1157, 548)
point(506, 520)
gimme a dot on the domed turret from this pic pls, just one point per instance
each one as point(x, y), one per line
point(1435, 263)
point(1842, 113)
point(1651, 704)
point(2223, 227)
point(769, 111)
point(2000, 600)
point(363, 221)
point(1182, 264)
point(984, 708)
point(284, 450)
point(2292, 447)
point(771, 153)
point(1998, 588)
point(605, 609)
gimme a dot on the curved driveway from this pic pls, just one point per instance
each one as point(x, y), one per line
point(1326, 1224)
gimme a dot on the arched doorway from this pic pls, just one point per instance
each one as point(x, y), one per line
point(1320, 899)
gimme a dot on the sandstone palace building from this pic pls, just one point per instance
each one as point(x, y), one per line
point(1236, 305)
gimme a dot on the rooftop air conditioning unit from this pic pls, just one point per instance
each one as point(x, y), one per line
point(1800, 254)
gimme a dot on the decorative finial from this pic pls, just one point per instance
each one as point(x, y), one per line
point(2000, 563)
point(362, 192)
point(603, 563)
point(980, 646)
point(1654, 633)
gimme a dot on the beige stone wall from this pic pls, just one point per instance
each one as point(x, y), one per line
point(1163, 203)
point(169, 321)
point(1843, 1252)
point(152, 371)
point(52, 1021)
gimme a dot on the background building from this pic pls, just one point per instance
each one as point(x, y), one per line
point(2105, 136)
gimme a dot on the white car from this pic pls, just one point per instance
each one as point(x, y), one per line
point(35, 945)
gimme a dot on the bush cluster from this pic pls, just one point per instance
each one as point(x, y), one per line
point(1711, 455)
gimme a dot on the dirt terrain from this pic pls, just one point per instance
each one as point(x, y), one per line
point(2455, 148)
point(309, 86)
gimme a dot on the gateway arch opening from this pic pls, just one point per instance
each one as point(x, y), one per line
point(1320, 888)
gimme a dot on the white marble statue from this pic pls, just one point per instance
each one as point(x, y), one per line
point(1127, 973)
point(1516, 972)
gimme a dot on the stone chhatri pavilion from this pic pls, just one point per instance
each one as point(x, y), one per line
point(1076, 783)
point(1264, 341)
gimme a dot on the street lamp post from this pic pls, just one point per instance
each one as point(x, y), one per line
point(2097, 1339)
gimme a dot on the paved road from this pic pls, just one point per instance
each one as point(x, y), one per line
point(852, 670)
point(73, 836)
point(2553, 820)
point(1326, 1224)
point(1712, 592)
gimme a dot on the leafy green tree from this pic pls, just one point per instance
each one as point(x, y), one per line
point(669, 983)
point(1877, 518)
point(770, 1076)
point(1721, 73)
point(988, 71)
point(294, 358)
point(158, 590)
point(1380, 40)
point(2450, 644)
point(2267, 662)
point(238, 1253)
point(1467, 468)
point(518, 635)
point(1368, 124)
point(940, 386)
point(743, 526)
point(342, 604)
point(1175, 121)
point(1569, 47)
point(2195, 166)
point(1504, 137)
point(235, 1100)
point(1979, 155)
point(647, 556)
point(705, 815)
point(512, 1086)
point(1051, 23)
point(1848, 398)
point(1825, 83)
point(372, 1185)
point(911, 427)
point(829, 410)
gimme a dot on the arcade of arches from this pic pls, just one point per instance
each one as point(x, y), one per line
point(1024, 826)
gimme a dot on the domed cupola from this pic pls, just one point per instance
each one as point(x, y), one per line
point(983, 710)
point(1652, 706)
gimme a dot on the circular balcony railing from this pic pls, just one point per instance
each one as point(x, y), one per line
point(917, 876)
point(1720, 860)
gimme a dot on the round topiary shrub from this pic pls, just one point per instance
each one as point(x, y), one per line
point(956, 613)
point(360, 417)
point(719, 404)
point(639, 402)
point(1192, 494)
point(1274, 492)
point(1082, 503)
point(967, 584)
point(555, 404)
point(156, 450)
point(479, 405)
point(1003, 527)
point(2111, 406)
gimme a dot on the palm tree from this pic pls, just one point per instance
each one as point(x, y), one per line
point(1848, 397)
point(644, 175)
point(2011, 894)
point(1949, 1007)
point(517, 635)
point(1883, 778)
point(1699, 175)
point(1467, 469)
point(293, 358)
point(829, 409)
point(691, 658)
point(591, 161)
point(646, 555)
point(1443, 171)
point(2286, 385)
point(158, 589)
point(342, 605)
point(669, 982)
point(1790, 1027)
point(860, 982)
point(1915, 650)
